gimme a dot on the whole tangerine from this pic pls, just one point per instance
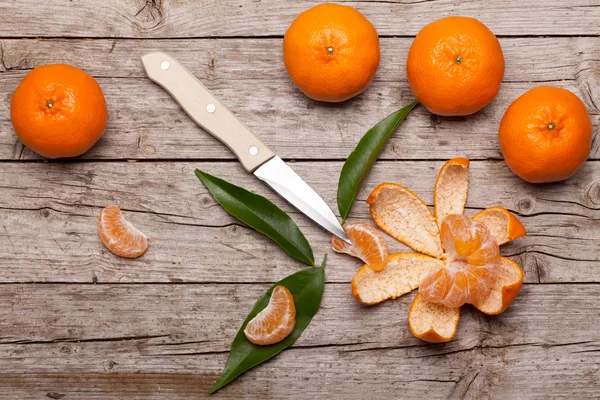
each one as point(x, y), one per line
point(545, 135)
point(58, 111)
point(455, 66)
point(331, 52)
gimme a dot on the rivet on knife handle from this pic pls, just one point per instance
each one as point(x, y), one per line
point(208, 112)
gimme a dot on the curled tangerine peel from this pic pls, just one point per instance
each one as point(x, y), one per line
point(451, 188)
point(505, 288)
point(402, 275)
point(503, 225)
point(431, 322)
point(367, 244)
point(276, 321)
point(471, 265)
point(403, 215)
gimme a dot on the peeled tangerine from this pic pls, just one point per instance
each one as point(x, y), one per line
point(276, 321)
point(456, 260)
point(471, 268)
point(367, 244)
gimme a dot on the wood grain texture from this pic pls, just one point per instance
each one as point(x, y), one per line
point(145, 122)
point(201, 18)
point(77, 322)
point(48, 221)
point(147, 341)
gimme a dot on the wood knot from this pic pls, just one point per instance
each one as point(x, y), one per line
point(205, 200)
point(524, 205)
point(593, 193)
point(211, 66)
point(149, 15)
point(45, 213)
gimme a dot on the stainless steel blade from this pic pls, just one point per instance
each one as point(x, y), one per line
point(282, 179)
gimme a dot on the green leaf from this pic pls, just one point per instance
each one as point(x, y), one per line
point(359, 163)
point(260, 214)
point(307, 288)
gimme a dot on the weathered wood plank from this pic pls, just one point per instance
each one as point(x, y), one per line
point(200, 18)
point(145, 123)
point(48, 215)
point(153, 127)
point(100, 341)
point(527, 59)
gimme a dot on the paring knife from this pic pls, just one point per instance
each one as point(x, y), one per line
point(208, 112)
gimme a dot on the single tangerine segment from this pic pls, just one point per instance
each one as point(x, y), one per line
point(276, 321)
point(367, 244)
point(119, 235)
point(471, 264)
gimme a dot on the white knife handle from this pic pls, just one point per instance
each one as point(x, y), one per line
point(208, 112)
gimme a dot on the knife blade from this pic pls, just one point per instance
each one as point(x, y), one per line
point(208, 112)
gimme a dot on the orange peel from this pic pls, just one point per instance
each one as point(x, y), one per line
point(402, 214)
point(432, 322)
point(505, 289)
point(503, 225)
point(451, 188)
point(401, 275)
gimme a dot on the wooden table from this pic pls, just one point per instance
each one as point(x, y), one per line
point(77, 322)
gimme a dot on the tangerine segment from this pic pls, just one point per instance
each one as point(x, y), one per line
point(402, 275)
point(502, 224)
point(504, 290)
point(119, 236)
point(401, 214)
point(451, 188)
point(276, 321)
point(432, 322)
point(471, 265)
point(466, 240)
point(367, 244)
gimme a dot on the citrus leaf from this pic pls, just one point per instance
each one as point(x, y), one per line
point(260, 214)
point(307, 288)
point(359, 163)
